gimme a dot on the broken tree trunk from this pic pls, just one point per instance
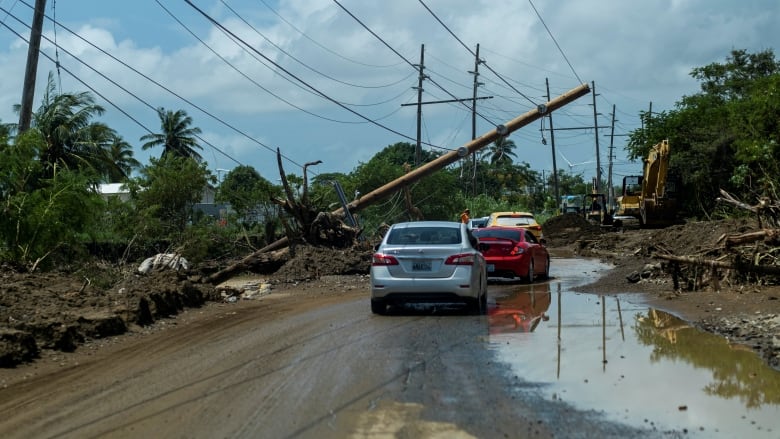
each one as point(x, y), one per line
point(745, 268)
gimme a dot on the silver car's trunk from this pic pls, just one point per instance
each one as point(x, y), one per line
point(423, 263)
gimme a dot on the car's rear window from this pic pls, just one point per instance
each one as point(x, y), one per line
point(514, 221)
point(424, 236)
point(499, 233)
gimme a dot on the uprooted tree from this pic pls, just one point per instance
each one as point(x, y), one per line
point(310, 225)
point(747, 256)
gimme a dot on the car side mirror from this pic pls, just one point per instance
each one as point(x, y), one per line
point(376, 247)
point(543, 241)
point(483, 247)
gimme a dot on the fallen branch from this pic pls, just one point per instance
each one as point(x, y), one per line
point(749, 268)
point(728, 198)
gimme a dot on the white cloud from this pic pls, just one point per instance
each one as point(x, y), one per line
point(636, 52)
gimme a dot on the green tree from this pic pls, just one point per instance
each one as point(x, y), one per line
point(249, 195)
point(501, 151)
point(45, 217)
point(165, 193)
point(433, 195)
point(724, 136)
point(71, 137)
point(177, 137)
point(119, 155)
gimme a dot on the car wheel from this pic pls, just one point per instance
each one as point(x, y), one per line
point(547, 269)
point(378, 306)
point(530, 276)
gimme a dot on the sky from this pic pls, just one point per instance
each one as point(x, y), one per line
point(336, 80)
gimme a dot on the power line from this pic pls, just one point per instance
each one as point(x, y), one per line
point(474, 54)
point(292, 75)
point(554, 41)
point(104, 77)
point(322, 46)
point(303, 63)
point(260, 86)
point(403, 58)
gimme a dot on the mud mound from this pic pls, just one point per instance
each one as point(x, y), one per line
point(61, 311)
point(310, 262)
point(565, 229)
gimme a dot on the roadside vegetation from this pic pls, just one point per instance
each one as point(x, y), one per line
point(724, 137)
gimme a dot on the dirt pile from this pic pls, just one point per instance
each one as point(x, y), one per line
point(566, 229)
point(60, 311)
point(308, 263)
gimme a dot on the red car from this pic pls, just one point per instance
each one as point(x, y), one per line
point(513, 252)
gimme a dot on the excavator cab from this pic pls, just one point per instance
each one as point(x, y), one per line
point(595, 209)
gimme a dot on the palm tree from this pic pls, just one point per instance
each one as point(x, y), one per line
point(119, 158)
point(177, 138)
point(501, 151)
point(64, 121)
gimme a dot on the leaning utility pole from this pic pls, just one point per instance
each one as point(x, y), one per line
point(428, 168)
point(31, 71)
point(463, 151)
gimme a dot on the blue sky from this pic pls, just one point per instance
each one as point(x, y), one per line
point(307, 55)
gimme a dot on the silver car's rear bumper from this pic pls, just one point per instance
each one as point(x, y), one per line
point(457, 286)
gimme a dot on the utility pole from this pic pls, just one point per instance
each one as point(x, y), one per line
point(420, 103)
point(474, 120)
point(552, 143)
point(418, 149)
point(31, 71)
point(596, 129)
point(610, 188)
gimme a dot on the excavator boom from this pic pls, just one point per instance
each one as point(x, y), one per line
point(658, 204)
point(652, 197)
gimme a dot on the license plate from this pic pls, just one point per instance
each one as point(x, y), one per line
point(422, 266)
point(491, 268)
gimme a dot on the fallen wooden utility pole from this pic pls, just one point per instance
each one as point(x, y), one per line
point(425, 170)
point(469, 148)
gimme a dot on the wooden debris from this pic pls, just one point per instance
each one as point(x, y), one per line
point(749, 256)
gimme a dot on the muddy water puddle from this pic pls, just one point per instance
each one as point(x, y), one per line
point(633, 364)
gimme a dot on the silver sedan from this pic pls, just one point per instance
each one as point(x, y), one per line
point(428, 261)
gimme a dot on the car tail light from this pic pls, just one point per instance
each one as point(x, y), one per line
point(460, 259)
point(539, 228)
point(518, 250)
point(382, 259)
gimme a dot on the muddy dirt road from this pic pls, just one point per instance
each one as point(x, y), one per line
point(282, 367)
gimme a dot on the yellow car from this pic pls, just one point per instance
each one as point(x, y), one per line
point(525, 220)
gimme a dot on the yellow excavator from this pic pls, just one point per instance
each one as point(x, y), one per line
point(651, 198)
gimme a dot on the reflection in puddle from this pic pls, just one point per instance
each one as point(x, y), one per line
point(637, 365)
point(520, 310)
